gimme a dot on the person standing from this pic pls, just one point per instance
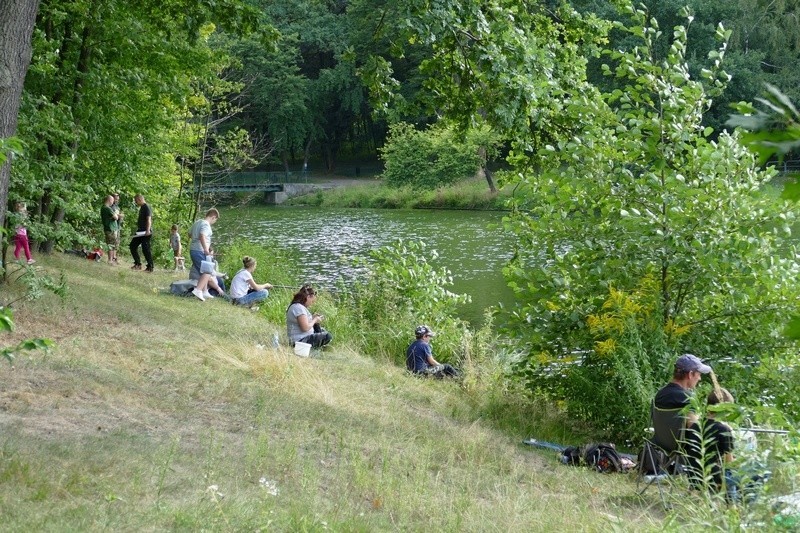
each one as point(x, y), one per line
point(144, 232)
point(201, 252)
point(419, 356)
point(115, 208)
point(110, 228)
point(21, 243)
point(177, 249)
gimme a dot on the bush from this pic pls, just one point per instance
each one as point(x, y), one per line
point(427, 159)
point(402, 290)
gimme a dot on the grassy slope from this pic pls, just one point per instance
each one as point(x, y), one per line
point(155, 412)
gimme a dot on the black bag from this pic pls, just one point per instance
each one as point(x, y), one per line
point(182, 287)
point(571, 456)
point(603, 457)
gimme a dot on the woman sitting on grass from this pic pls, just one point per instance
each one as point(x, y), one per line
point(244, 290)
point(301, 324)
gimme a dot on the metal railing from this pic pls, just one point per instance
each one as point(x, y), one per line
point(254, 181)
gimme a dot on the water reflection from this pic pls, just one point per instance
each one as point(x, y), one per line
point(328, 240)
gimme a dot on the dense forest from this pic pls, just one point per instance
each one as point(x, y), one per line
point(158, 95)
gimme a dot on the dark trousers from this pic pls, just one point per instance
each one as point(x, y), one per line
point(144, 241)
point(441, 371)
point(319, 338)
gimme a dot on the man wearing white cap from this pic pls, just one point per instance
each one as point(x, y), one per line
point(685, 377)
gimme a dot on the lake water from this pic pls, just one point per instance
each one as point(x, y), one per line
point(469, 243)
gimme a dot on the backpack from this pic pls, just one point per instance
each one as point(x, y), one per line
point(183, 287)
point(603, 457)
point(571, 456)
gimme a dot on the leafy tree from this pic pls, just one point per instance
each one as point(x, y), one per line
point(104, 100)
point(764, 45)
point(17, 19)
point(300, 91)
point(427, 159)
point(641, 198)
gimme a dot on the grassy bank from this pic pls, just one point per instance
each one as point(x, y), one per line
point(468, 194)
point(155, 412)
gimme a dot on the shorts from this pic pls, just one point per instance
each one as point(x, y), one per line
point(112, 239)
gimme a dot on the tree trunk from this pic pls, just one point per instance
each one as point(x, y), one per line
point(490, 179)
point(484, 168)
point(17, 18)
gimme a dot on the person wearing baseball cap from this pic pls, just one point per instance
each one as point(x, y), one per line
point(685, 377)
point(419, 356)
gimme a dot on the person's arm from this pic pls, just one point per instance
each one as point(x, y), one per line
point(149, 225)
point(306, 324)
point(259, 286)
point(431, 360)
point(204, 244)
point(726, 443)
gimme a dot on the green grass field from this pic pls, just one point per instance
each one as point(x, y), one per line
point(155, 412)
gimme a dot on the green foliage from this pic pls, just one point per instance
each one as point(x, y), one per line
point(466, 194)
point(772, 130)
point(10, 145)
point(611, 381)
point(401, 290)
point(275, 266)
point(641, 194)
point(427, 159)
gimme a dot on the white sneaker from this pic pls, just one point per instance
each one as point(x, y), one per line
point(207, 295)
point(199, 294)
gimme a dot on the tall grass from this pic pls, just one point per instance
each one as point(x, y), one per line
point(156, 412)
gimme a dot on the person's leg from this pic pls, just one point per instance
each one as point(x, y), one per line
point(116, 246)
point(201, 288)
point(318, 340)
point(133, 247)
point(148, 254)
point(731, 486)
point(214, 284)
point(252, 297)
point(17, 246)
point(26, 247)
point(450, 371)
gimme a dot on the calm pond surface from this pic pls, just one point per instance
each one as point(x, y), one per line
point(328, 240)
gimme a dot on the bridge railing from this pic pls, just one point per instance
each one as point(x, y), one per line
point(237, 180)
point(788, 166)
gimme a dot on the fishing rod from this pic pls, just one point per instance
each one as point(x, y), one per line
point(298, 287)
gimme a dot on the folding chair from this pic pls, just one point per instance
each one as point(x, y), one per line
point(668, 425)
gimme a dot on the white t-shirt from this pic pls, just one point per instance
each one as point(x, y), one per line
point(239, 283)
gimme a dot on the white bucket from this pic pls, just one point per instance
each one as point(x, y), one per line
point(303, 349)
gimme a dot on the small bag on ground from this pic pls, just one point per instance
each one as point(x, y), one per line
point(603, 457)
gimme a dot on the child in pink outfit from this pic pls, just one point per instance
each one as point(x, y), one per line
point(21, 236)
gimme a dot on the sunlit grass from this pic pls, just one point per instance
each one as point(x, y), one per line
point(157, 412)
